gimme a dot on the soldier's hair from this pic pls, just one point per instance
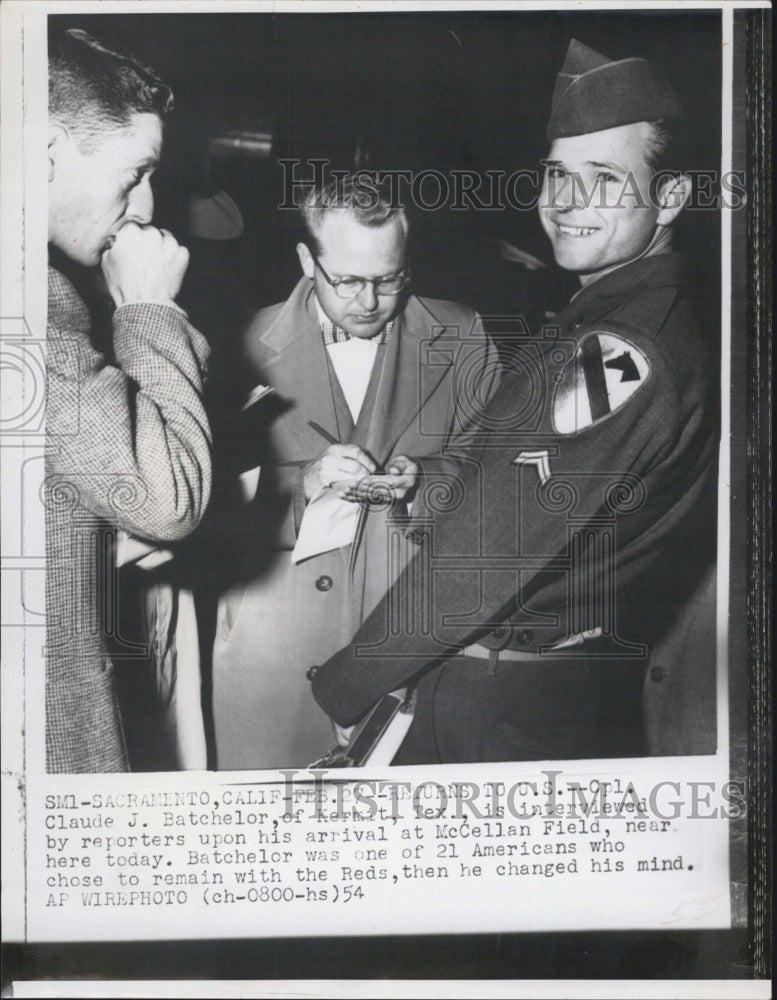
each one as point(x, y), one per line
point(664, 151)
point(94, 89)
point(360, 194)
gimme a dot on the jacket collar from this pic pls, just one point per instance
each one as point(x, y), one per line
point(65, 302)
point(296, 320)
point(623, 284)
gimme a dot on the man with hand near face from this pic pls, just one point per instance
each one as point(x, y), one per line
point(377, 395)
point(588, 511)
point(128, 444)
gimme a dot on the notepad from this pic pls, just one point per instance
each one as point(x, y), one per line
point(328, 523)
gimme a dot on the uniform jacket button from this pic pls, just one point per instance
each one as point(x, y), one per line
point(499, 632)
point(525, 636)
point(657, 674)
point(324, 583)
point(311, 672)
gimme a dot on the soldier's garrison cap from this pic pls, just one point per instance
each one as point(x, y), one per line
point(593, 93)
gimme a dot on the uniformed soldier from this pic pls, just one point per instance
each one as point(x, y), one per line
point(587, 515)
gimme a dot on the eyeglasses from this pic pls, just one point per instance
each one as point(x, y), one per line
point(350, 287)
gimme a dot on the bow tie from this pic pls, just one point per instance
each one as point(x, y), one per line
point(336, 335)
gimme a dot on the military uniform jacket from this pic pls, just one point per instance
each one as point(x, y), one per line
point(128, 446)
point(583, 514)
point(437, 371)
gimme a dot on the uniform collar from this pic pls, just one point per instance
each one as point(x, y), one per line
point(623, 284)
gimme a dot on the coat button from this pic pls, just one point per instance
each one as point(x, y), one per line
point(657, 674)
point(499, 632)
point(525, 636)
point(311, 672)
point(324, 583)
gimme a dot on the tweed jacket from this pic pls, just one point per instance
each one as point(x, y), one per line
point(587, 519)
point(439, 368)
point(128, 447)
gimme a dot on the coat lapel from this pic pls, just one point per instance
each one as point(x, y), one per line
point(407, 379)
point(296, 366)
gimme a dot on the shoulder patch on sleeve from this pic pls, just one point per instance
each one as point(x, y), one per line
point(605, 372)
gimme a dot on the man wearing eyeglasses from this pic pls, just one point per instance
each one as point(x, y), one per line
point(377, 395)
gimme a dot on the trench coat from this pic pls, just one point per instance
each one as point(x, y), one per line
point(439, 369)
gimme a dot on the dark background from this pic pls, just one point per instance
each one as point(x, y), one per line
point(415, 91)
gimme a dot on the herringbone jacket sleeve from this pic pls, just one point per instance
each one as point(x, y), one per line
point(131, 439)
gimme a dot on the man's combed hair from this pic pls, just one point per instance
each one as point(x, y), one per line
point(93, 89)
point(669, 146)
point(668, 153)
point(360, 194)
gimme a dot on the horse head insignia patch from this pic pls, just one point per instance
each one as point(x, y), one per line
point(604, 373)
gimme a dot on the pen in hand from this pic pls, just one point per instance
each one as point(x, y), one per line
point(323, 432)
point(341, 465)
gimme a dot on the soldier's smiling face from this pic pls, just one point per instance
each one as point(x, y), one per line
point(596, 202)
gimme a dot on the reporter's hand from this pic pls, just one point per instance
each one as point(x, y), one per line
point(397, 483)
point(144, 264)
point(340, 463)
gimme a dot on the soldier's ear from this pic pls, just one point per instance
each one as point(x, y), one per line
point(306, 260)
point(672, 198)
point(59, 137)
